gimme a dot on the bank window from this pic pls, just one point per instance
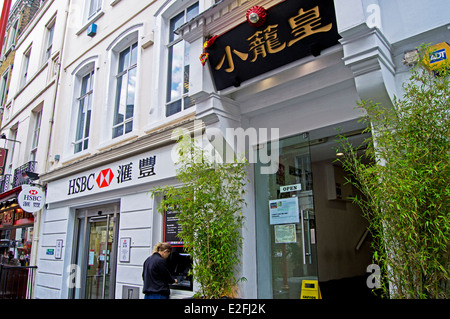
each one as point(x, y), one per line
point(178, 64)
point(36, 132)
point(125, 91)
point(84, 103)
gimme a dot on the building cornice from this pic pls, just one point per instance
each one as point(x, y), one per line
point(151, 141)
point(220, 18)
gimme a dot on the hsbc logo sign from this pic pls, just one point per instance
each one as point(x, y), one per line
point(87, 183)
point(31, 199)
point(81, 184)
point(105, 178)
point(135, 170)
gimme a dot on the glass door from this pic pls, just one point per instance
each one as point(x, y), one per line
point(98, 274)
point(285, 220)
point(96, 254)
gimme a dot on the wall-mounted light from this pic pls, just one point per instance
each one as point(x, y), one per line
point(3, 137)
point(31, 175)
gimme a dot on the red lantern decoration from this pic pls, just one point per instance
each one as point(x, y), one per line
point(256, 16)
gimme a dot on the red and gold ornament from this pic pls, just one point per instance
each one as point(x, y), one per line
point(205, 55)
point(256, 16)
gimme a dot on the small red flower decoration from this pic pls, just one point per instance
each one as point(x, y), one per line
point(256, 16)
point(205, 55)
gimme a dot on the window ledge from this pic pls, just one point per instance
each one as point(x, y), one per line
point(88, 23)
point(171, 121)
point(117, 141)
point(114, 2)
point(75, 157)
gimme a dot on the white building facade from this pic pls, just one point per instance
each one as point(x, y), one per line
point(27, 120)
point(130, 74)
point(112, 144)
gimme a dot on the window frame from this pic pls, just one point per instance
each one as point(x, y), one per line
point(122, 88)
point(181, 101)
point(12, 33)
point(81, 116)
point(4, 87)
point(37, 117)
point(25, 67)
point(49, 37)
point(95, 5)
point(13, 132)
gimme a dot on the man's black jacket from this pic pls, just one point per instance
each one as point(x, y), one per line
point(156, 276)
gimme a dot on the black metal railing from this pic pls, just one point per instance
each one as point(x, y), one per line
point(4, 182)
point(16, 282)
point(19, 173)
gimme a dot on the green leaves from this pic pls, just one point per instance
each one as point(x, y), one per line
point(406, 185)
point(209, 207)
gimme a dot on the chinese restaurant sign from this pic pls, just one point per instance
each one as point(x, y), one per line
point(293, 30)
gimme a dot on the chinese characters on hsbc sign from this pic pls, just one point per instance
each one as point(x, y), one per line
point(116, 174)
point(293, 30)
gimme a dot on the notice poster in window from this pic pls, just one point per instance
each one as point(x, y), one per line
point(284, 211)
point(285, 234)
point(91, 258)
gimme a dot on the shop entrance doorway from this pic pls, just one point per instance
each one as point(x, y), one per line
point(307, 227)
point(286, 240)
point(96, 252)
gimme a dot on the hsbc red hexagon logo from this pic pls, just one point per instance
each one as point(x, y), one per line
point(33, 192)
point(104, 178)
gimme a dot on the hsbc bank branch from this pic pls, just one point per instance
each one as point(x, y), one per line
point(103, 222)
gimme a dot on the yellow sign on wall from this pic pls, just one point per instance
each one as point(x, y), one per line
point(310, 290)
point(437, 56)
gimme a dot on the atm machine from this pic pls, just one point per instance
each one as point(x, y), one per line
point(179, 263)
